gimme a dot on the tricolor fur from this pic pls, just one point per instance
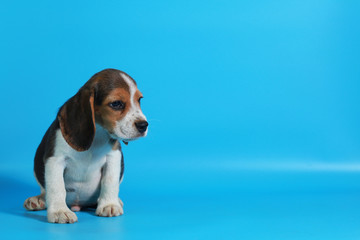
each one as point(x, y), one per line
point(79, 162)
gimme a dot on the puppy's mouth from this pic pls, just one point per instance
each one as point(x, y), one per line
point(124, 140)
point(136, 137)
point(124, 136)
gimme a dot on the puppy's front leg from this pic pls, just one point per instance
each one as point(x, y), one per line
point(108, 202)
point(57, 210)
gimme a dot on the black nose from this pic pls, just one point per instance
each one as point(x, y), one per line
point(141, 126)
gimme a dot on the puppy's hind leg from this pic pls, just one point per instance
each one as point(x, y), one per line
point(36, 203)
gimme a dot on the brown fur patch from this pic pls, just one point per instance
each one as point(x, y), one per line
point(105, 81)
point(105, 115)
point(137, 96)
point(76, 118)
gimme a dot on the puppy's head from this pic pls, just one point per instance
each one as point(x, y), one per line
point(117, 105)
point(111, 99)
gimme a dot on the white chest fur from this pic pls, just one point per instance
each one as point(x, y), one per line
point(84, 170)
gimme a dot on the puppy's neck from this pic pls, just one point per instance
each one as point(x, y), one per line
point(102, 138)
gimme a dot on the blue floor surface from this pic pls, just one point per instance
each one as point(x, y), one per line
point(235, 200)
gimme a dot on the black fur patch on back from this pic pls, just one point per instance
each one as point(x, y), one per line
point(44, 151)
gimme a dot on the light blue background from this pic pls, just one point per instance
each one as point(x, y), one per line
point(253, 109)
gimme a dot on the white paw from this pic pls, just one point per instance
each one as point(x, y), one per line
point(61, 216)
point(35, 203)
point(110, 210)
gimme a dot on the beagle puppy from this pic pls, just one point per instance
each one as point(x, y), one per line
point(79, 162)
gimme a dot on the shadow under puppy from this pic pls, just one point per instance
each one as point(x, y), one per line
point(79, 162)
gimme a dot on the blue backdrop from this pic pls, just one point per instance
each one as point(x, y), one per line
point(253, 109)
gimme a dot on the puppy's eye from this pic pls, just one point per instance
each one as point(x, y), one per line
point(140, 99)
point(117, 105)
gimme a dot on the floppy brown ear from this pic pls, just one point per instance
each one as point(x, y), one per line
point(77, 121)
